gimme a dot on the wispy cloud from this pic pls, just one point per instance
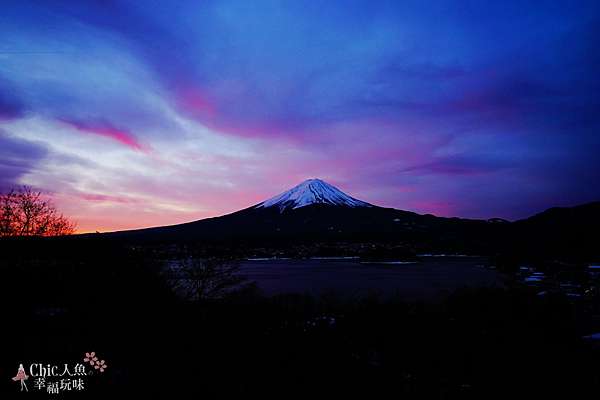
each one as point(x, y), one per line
point(103, 128)
point(17, 158)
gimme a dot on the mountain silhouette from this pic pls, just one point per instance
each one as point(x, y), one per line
point(316, 211)
point(312, 211)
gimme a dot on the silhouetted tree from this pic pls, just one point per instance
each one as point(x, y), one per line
point(25, 212)
point(205, 279)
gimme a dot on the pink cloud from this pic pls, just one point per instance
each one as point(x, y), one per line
point(203, 105)
point(103, 128)
point(105, 198)
point(195, 101)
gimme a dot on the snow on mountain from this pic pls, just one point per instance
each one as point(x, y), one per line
point(312, 191)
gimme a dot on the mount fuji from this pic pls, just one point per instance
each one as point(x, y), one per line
point(309, 192)
point(313, 211)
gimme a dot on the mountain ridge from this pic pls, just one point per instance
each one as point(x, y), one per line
point(293, 218)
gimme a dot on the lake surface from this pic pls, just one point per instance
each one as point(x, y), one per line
point(432, 278)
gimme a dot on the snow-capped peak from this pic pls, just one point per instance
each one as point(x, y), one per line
point(312, 191)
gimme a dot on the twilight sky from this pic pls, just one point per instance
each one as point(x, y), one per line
point(143, 113)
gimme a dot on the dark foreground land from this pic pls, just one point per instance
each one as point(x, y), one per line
point(62, 300)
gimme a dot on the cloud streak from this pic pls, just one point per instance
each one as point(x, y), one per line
point(105, 129)
point(17, 158)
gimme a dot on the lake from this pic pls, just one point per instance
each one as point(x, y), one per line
point(430, 279)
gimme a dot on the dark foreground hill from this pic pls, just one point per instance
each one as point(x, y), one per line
point(561, 231)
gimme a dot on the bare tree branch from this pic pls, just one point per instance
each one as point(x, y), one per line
point(24, 212)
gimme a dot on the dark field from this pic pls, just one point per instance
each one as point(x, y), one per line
point(373, 335)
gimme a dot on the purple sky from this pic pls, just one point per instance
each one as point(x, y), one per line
point(135, 114)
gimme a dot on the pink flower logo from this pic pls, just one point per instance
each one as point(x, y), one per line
point(101, 365)
point(92, 359)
